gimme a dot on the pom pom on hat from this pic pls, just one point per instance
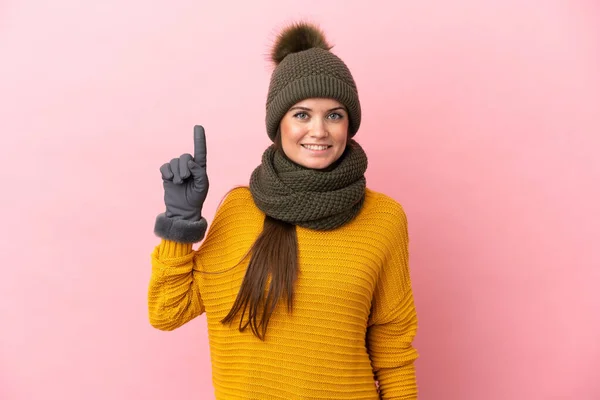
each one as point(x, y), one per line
point(298, 37)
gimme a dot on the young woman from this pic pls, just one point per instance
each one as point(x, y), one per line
point(303, 275)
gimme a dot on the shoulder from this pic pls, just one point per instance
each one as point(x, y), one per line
point(237, 204)
point(236, 216)
point(386, 217)
point(237, 193)
point(239, 196)
point(384, 205)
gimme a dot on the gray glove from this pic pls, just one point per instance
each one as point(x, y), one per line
point(186, 185)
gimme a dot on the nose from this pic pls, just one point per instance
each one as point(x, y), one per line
point(318, 129)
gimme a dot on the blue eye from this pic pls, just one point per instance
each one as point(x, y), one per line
point(301, 115)
point(336, 116)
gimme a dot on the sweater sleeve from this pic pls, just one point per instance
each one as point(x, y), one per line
point(173, 295)
point(393, 320)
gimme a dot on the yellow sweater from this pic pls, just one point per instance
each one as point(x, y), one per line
point(353, 320)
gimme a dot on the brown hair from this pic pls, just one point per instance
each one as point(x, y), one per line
point(275, 257)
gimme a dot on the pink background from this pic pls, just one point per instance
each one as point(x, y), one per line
point(483, 120)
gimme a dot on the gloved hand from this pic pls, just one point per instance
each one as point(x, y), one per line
point(185, 183)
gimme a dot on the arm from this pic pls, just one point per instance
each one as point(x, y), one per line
point(173, 295)
point(393, 321)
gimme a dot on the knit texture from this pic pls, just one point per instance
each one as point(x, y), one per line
point(310, 198)
point(353, 321)
point(306, 74)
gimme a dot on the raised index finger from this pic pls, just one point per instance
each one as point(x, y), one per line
point(199, 146)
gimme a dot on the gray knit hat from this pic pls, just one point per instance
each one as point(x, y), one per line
point(306, 68)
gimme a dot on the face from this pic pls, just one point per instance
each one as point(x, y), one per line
point(314, 132)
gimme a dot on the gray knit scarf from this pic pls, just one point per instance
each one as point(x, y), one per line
point(315, 199)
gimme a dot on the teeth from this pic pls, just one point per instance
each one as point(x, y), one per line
point(314, 147)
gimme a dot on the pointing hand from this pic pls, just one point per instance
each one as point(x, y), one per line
point(185, 181)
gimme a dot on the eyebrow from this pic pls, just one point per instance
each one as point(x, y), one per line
point(308, 109)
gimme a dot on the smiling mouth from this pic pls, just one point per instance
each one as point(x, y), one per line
point(316, 147)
